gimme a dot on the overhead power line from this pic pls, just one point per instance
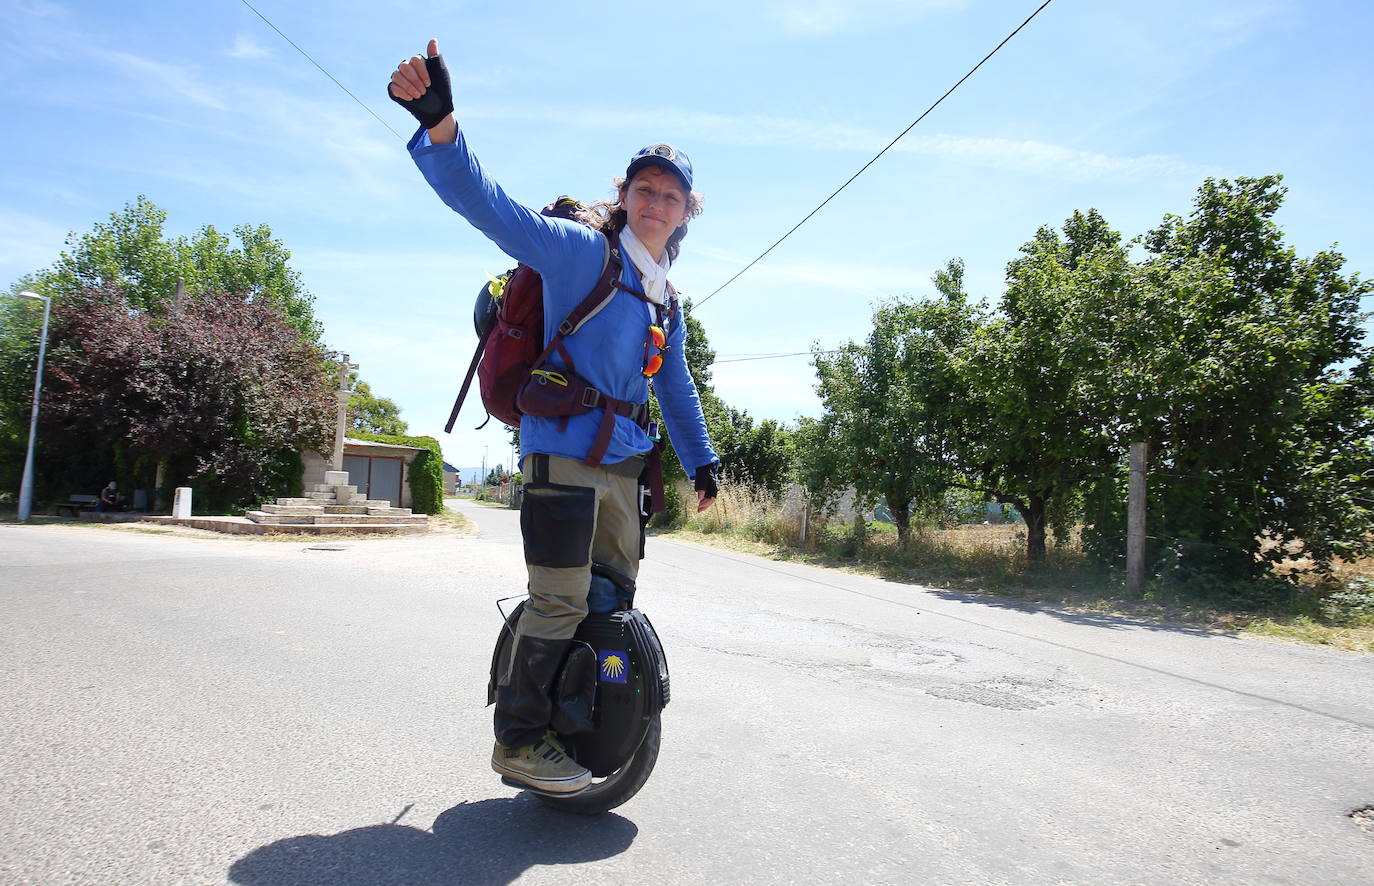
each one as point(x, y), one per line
point(763, 357)
point(322, 70)
point(861, 171)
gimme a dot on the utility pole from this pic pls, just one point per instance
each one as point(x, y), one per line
point(344, 393)
point(26, 482)
point(1135, 519)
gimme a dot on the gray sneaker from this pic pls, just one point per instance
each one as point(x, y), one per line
point(544, 765)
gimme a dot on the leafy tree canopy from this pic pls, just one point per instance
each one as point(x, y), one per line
point(131, 253)
point(220, 390)
point(377, 415)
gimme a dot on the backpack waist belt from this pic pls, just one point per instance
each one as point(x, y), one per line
point(563, 394)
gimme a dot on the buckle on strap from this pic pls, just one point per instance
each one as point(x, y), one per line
point(590, 397)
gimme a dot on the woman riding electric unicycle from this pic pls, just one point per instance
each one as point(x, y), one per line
point(578, 675)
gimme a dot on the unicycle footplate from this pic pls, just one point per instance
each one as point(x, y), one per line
point(553, 795)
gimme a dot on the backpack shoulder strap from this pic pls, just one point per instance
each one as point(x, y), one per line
point(602, 293)
point(603, 290)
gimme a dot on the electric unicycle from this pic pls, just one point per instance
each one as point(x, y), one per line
point(606, 698)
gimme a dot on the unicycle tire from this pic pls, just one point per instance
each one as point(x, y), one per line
point(618, 787)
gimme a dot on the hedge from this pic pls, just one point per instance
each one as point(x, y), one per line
point(426, 472)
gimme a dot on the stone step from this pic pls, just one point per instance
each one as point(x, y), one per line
point(294, 502)
point(389, 512)
point(345, 509)
point(293, 510)
point(347, 498)
point(332, 519)
point(278, 519)
point(325, 487)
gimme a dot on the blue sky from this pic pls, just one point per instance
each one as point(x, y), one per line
point(1122, 107)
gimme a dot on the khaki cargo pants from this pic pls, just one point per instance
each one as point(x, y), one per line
point(571, 515)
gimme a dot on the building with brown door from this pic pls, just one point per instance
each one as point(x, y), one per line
point(381, 471)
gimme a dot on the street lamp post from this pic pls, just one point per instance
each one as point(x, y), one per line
point(26, 484)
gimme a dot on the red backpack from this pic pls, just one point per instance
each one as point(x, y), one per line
point(510, 363)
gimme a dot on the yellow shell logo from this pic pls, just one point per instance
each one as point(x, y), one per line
point(612, 666)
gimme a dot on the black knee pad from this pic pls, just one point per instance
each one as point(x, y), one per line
point(557, 523)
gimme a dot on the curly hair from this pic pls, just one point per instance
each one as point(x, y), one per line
point(609, 216)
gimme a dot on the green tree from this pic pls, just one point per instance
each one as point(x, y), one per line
point(132, 258)
point(132, 254)
point(754, 455)
point(817, 459)
point(377, 415)
point(1248, 373)
point(894, 405)
point(1031, 374)
point(226, 393)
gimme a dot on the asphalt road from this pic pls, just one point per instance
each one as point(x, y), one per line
point(183, 710)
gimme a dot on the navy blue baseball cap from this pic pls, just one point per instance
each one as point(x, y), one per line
point(666, 156)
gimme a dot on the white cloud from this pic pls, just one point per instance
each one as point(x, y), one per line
point(1009, 154)
point(246, 47)
point(39, 8)
point(1042, 158)
point(821, 18)
point(879, 281)
point(157, 75)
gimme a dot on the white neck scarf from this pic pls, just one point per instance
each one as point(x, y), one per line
point(654, 274)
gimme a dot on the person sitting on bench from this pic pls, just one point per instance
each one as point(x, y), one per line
point(110, 499)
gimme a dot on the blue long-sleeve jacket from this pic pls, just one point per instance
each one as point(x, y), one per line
point(609, 349)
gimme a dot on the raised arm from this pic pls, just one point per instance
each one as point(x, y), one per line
point(421, 85)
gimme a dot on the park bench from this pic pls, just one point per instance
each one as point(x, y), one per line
point(76, 503)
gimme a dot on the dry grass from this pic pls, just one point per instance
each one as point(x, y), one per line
point(451, 522)
point(1304, 629)
point(990, 560)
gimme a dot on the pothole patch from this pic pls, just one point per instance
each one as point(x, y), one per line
point(1010, 693)
point(993, 698)
point(1364, 818)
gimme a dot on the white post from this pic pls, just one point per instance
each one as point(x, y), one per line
point(181, 503)
point(336, 464)
point(1135, 519)
point(26, 483)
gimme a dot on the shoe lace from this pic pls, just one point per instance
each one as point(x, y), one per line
point(551, 748)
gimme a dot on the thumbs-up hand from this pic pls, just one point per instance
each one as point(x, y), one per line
point(421, 85)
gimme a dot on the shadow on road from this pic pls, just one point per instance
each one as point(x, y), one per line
point(489, 841)
point(1077, 616)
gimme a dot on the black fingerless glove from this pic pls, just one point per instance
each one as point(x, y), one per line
point(437, 102)
point(706, 479)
